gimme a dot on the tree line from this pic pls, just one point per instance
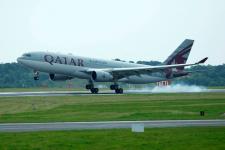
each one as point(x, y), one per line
point(16, 75)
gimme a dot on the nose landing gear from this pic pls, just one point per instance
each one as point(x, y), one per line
point(36, 75)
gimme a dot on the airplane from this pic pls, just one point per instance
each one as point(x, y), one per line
point(66, 67)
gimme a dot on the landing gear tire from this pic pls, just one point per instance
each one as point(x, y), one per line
point(119, 91)
point(89, 86)
point(94, 90)
point(114, 87)
point(36, 78)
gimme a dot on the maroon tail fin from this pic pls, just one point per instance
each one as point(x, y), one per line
point(180, 55)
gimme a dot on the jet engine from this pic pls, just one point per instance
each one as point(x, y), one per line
point(57, 77)
point(101, 76)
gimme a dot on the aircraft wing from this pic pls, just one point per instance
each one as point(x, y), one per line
point(123, 72)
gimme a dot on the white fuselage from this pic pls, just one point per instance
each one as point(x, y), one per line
point(77, 66)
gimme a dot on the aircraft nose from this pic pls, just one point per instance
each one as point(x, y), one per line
point(19, 59)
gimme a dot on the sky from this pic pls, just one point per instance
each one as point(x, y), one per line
point(126, 29)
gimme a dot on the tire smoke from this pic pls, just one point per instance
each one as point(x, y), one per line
point(178, 88)
point(174, 88)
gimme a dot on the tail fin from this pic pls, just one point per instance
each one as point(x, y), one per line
point(180, 55)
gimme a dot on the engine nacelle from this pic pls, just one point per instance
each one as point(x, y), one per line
point(101, 76)
point(57, 77)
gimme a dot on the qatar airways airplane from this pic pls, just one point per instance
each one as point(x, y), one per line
point(66, 67)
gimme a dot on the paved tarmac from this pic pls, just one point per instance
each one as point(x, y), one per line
point(22, 127)
point(74, 93)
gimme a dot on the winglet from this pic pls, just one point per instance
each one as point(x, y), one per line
point(202, 61)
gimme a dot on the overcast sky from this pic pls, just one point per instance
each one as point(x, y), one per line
point(125, 29)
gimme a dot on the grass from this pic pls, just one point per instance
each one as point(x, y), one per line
point(112, 107)
point(115, 107)
point(195, 138)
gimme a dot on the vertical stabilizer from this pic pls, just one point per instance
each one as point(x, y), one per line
point(180, 55)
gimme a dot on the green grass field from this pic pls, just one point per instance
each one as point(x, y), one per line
point(115, 107)
point(206, 138)
point(112, 107)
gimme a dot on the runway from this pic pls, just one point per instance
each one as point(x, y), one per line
point(22, 127)
point(74, 93)
point(52, 93)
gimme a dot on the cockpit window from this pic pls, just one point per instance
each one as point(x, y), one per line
point(27, 55)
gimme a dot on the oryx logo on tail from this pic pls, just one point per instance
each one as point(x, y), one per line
point(180, 55)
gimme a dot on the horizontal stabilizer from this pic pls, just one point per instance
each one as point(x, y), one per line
point(202, 61)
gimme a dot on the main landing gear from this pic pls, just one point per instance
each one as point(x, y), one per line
point(115, 86)
point(117, 89)
point(92, 88)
